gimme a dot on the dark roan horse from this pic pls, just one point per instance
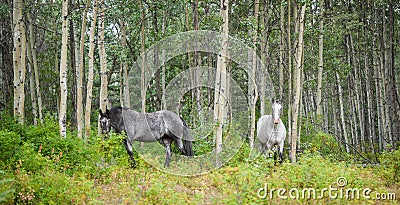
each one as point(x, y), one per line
point(162, 126)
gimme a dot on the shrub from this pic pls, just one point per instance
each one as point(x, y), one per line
point(391, 162)
point(5, 189)
point(322, 143)
point(10, 143)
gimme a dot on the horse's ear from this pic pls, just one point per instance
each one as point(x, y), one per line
point(107, 111)
point(272, 100)
point(101, 113)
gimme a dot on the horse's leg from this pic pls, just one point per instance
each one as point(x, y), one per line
point(167, 145)
point(129, 149)
point(179, 144)
point(281, 150)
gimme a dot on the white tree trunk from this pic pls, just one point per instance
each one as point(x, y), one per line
point(103, 62)
point(320, 58)
point(252, 86)
point(220, 81)
point(62, 116)
point(19, 56)
point(90, 73)
point(35, 69)
point(344, 130)
point(295, 107)
point(32, 85)
point(79, 74)
point(281, 49)
point(124, 67)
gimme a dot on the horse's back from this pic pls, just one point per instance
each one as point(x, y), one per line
point(173, 123)
point(148, 127)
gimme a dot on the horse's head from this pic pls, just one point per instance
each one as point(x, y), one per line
point(105, 121)
point(276, 110)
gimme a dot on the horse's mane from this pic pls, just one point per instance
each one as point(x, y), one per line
point(116, 110)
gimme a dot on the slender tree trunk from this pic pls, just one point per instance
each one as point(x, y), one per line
point(35, 68)
point(391, 95)
point(384, 59)
point(124, 88)
point(357, 101)
point(19, 55)
point(73, 63)
point(289, 44)
point(320, 57)
point(370, 114)
point(32, 85)
point(295, 108)
point(142, 77)
point(196, 61)
point(89, 86)
point(353, 120)
point(121, 87)
point(103, 61)
point(79, 73)
point(264, 55)
point(342, 116)
point(62, 116)
point(252, 80)
point(220, 81)
point(164, 102)
point(143, 85)
point(281, 49)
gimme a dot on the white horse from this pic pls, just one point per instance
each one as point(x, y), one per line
point(271, 130)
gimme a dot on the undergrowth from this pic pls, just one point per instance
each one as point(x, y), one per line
point(39, 167)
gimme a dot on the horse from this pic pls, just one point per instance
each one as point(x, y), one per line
point(162, 126)
point(271, 131)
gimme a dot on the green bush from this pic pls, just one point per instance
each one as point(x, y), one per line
point(5, 187)
point(322, 143)
point(391, 171)
point(10, 146)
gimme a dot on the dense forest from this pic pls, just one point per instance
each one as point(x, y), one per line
point(218, 64)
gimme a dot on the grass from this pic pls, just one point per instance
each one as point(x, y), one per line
point(40, 168)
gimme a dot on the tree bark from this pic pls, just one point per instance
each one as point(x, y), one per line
point(103, 62)
point(320, 57)
point(220, 81)
point(143, 83)
point(89, 86)
point(252, 80)
point(295, 107)
point(19, 59)
point(391, 96)
point(35, 68)
point(62, 116)
point(79, 73)
point(342, 116)
point(73, 63)
point(281, 49)
point(289, 44)
point(264, 55)
point(32, 85)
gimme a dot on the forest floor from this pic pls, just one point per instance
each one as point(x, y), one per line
point(39, 167)
point(313, 180)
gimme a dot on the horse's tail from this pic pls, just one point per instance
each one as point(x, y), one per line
point(187, 139)
point(187, 145)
